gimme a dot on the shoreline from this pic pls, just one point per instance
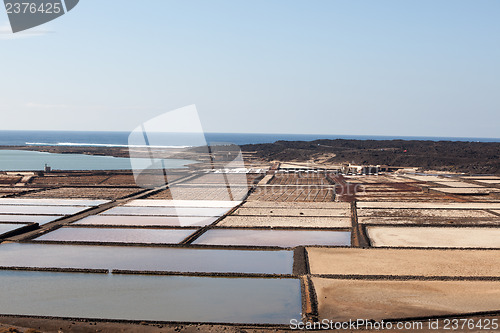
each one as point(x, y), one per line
point(443, 156)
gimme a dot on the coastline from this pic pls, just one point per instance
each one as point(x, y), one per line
point(441, 156)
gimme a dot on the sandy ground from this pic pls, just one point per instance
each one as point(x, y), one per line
point(457, 184)
point(481, 177)
point(466, 191)
point(293, 193)
point(426, 178)
point(404, 262)
point(286, 221)
point(436, 221)
point(489, 181)
point(297, 205)
point(35, 325)
point(306, 212)
point(429, 205)
point(353, 299)
point(58, 325)
point(434, 237)
point(84, 193)
point(424, 213)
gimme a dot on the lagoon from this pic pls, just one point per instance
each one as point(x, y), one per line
point(23, 160)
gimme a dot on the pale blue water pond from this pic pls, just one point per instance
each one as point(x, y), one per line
point(149, 221)
point(50, 202)
point(40, 219)
point(280, 238)
point(41, 210)
point(145, 258)
point(149, 297)
point(166, 211)
point(23, 160)
point(118, 235)
point(6, 227)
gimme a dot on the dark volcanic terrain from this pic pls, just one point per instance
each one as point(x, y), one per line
point(469, 157)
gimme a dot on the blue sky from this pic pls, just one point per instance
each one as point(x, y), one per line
point(363, 67)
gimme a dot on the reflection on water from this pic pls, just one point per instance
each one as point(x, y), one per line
point(40, 210)
point(119, 235)
point(281, 238)
point(40, 219)
point(159, 211)
point(98, 220)
point(51, 202)
point(145, 258)
point(6, 227)
point(146, 297)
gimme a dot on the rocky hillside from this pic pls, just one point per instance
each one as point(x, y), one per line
point(469, 157)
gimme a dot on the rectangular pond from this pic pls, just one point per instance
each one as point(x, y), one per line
point(51, 202)
point(285, 221)
point(145, 258)
point(40, 219)
point(166, 211)
point(7, 227)
point(433, 237)
point(396, 262)
point(280, 238)
point(149, 297)
point(41, 210)
point(305, 212)
point(118, 235)
point(428, 205)
point(297, 205)
point(143, 221)
point(183, 203)
point(345, 299)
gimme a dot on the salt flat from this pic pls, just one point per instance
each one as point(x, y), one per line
point(404, 262)
point(286, 221)
point(429, 205)
point(306, 212)
point(462, 213)
point(378, 299)
point(434, 237)
point(302, 205)
point(183, 203)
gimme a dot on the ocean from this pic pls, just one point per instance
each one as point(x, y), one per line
point(77, 138)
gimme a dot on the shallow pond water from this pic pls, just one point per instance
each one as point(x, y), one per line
point(148, 297)
point(281, 238)
point(182, 203)
point(166, 211)
point(6, 227)
point(147, 220)
point(119, 235)
point(51, 202)
point(145, 258)
point(41, 210)
point(40, 219)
